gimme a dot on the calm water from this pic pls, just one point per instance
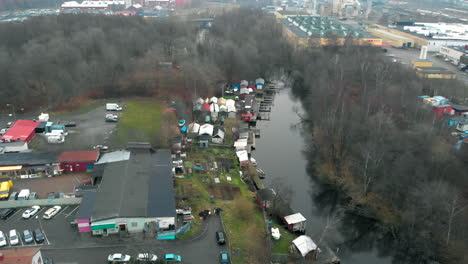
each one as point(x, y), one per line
point(279, 153)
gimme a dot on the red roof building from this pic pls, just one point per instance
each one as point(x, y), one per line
point(21, 130)
point(72, 161)
point(21, 256)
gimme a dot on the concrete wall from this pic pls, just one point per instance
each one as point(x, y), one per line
point(40, 202)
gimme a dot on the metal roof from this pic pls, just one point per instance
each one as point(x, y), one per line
point(87, 204)
point(139, 187)
point(27, 158)
point(114, 156)
point(78, 156)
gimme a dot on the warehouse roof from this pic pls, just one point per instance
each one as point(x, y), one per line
point(78, 156)
point(87, 204)
point(114, 156)
point(27, 158)
point(20, 130)
point(433, 70)
point(139, 187)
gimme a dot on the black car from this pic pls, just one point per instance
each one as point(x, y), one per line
point(221, 237)
point(70, 124)
point(38, 236)
point(5, 213)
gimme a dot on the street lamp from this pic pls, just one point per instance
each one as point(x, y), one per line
point(13, 108)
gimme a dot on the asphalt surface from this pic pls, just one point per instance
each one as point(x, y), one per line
point(91, 129)
point(84, 248)
point(406, 55)
point(57, 230)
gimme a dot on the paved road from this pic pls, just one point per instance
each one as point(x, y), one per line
point(406, 55)
point(201, 249)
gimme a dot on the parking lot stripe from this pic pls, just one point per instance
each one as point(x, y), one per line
point(11, 217)
point(45, 236)
point(62, 211)
point(76, 208)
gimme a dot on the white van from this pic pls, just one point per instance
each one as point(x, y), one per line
point(23, 194)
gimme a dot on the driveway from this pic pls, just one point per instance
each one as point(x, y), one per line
point(83, 248)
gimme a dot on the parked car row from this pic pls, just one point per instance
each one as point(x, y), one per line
point(30, 212)
point(25, 194)
point(142, 257)
point(14, 239)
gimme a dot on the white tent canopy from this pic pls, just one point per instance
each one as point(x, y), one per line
point(294, 218)
point(214, 100)
point(304, 244)
point(206, 129)
point(242, 155)
point(194, 128)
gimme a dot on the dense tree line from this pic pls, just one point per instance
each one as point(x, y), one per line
point(47, 60)
point(374, 139)
point(369, 136)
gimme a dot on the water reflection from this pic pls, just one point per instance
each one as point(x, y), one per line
point(280, 153)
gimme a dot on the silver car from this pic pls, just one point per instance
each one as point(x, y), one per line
point(28, 236)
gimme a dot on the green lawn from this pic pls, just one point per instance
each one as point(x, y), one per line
point(281, 246)
point(139, 121)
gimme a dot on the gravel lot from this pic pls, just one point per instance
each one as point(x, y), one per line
point(64, 183)
point(91, 130)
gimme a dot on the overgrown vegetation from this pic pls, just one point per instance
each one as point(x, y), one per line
point(372, 138)
point(242, 218)
point(141, 121)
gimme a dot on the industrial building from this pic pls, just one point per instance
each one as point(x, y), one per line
point(453, 53)
point(393, 39)
point(421, 63)
point(432, 35)
point(21, 130)
point(305, 31)
point(28, 165)
point(78, 161)
point(91, 5)
point(135, 195)
point(435, 73)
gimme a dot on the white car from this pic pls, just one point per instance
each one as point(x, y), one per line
point(31, 211)
point(147, 257)
point(51, 212)
point(117, 257)
point(3, 241)
point(3, 131)
point(14, 239)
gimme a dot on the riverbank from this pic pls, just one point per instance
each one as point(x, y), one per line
point(355, 239)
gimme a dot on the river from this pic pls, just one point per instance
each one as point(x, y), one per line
point(279, 152)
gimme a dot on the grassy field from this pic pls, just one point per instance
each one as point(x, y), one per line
point(281, 246)
point(242, 218)
point(140, 121)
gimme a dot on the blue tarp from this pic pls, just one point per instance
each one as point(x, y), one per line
point(183, 129)
point(197, 168)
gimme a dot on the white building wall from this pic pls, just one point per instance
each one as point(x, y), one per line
point(452, 54)
point(434, 45)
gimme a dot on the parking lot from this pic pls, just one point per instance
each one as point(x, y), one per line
point(65, 183)
point(57, 230)
point(91, 130)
